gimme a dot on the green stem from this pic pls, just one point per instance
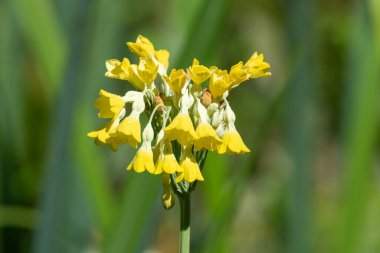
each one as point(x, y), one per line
point(184, 242)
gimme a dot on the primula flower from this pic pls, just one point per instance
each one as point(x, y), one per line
point(207, 138)
point(198, 73)
point(142, 47)
point(181, 129)
point(117, 69)
point(257, 67)
point(219, 83)
point(166, 161)
point(232, 142)
point(238, 74)
point(167, 193)
point(147, 70)
point(176, 80)
point(144, 156)
point(190, 167)
point(109, 105)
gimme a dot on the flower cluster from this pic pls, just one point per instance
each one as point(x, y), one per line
point(188, 111)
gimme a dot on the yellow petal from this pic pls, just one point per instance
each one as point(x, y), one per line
point(176, 80)
point(232, 144)
point(219, 83)
point(142, 47)
point(191, 171)
point(257, 67)
point(162, 56)
point(181, 129)
point(198, 73)
point(207, 138)
point(129, 131)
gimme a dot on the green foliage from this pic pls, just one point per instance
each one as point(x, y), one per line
point(310, 184)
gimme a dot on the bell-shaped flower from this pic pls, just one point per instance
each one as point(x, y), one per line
point(198, 73)
point(147, 70)
point(167, 193)
point(162, 57)
point(219, 83)
point(238, 74)
point(207, 138)
point(117, 69)
point(109, 105)
point(190, 167)
point(166, 161)
point(143, 159)
point(257, 67)
point(142, 47)
point(181, 128)
point(232, 142)
point(176, 80)
point(129, 130)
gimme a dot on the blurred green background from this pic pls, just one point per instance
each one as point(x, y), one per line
point(311, 184)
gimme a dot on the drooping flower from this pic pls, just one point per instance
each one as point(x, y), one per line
point(198, 73)
point(167, 193)
point(181, 128)
point(257, 67)
point(207, 138)
point(109, 105)
point(144, 156)
point(232, 142)
point(129, 130)
point(166, 161)
point(190, 167)
point(176, 80)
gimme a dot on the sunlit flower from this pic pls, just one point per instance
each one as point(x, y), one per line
point(147, 70)
point(191, 171)
point(219, 83)
point(108, 104)
point(232, 142)
point(162, 57)
point(207, 138)
point(142, 47)
point(198, 73)
point(181, 129)
point(117, 69)
point(176, 80)
point(238, 74)
point(166, 161)
point(144, 156)
point(257, 67)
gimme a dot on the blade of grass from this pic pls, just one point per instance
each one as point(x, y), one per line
point(361, 119)
point(40, 27)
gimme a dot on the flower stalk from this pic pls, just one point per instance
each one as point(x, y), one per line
point(185, 215)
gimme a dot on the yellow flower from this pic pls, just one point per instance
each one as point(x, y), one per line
point(109, 105)
point(117, 69)
point(142, 47)
point(257, 67)
point(199, 73)
point(134, 77)
point(181, 129)
point(162, 57)
point(219, 83)
point(143, 161)
point(166, 161)
point(167, 195)
point(176, 80)
point(238, 74)
point(144, 156)
point(207, 138)
point(102, 136)
point(232, 144)
point(191, 171)
point(147, 70)
point(129, 131)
